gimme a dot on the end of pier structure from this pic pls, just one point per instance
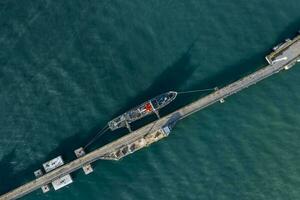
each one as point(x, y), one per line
point(281, 53)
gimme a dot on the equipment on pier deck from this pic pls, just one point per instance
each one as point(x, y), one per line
point(142, 142)
point(279, 59)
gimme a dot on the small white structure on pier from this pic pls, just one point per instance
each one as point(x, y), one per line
point(53, 164)
point(62, 182)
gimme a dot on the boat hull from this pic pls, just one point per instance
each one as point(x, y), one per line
point(147, 108)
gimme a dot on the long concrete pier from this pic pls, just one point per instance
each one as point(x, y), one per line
point(283, 58)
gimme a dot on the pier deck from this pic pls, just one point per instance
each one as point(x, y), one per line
point(292, 54)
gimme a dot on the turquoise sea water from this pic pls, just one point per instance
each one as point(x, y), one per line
point(67, 67)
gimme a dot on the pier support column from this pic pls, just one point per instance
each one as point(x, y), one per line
point(157, 114)
point(128, 126)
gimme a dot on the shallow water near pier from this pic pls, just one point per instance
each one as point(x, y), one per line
point(66, 68)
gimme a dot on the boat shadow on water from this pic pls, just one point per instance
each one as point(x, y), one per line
point(166, 81)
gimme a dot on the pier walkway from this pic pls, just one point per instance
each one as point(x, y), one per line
point(284, 58)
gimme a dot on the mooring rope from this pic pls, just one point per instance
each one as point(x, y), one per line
point(100, 133)
point(106, 128)
point(202, 90)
